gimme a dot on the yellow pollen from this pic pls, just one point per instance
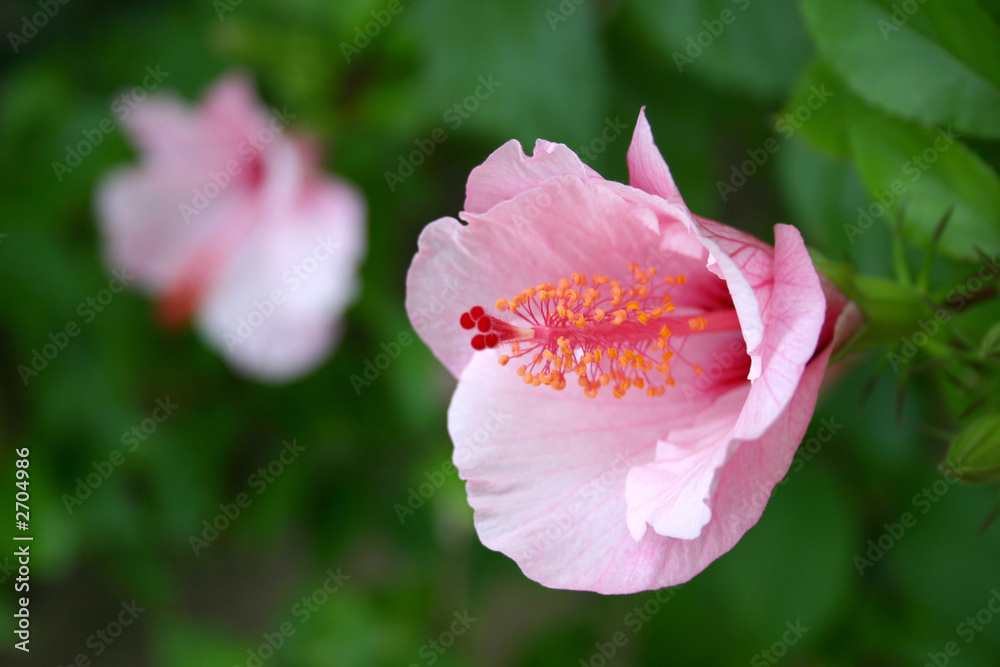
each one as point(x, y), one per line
point(577, 309)
point(697, 323)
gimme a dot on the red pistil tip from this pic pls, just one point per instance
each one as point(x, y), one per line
point(476, 312)
point(466, 321)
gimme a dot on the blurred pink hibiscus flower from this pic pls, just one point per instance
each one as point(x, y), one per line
point(229, 222)
point(633, 379)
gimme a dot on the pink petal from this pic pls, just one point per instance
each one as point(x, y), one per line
point(141, 216)
point(794, 309)
point(274, 311)
point(172, 136)
point(546, 470)
point(458, 266)
point(646, 167)
point(672, 493)
point(508, 172)
point(546, 478)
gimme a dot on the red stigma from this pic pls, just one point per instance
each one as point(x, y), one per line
point(495, 330)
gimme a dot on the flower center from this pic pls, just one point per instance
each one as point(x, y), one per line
point(604, 333)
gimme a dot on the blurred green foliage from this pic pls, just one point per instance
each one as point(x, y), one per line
point(565, 70)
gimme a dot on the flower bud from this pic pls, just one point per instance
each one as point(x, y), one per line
point(974, 455)
point(990, 348)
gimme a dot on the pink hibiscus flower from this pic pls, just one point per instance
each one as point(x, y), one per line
point(228, 221)
point(632, 379)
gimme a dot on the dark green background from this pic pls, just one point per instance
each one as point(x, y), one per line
point(561, 79)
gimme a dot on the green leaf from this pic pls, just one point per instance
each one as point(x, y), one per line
point(926, 171)
point(939, 63)
point(504, 69)
point(755, 46)
point(826, 126)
